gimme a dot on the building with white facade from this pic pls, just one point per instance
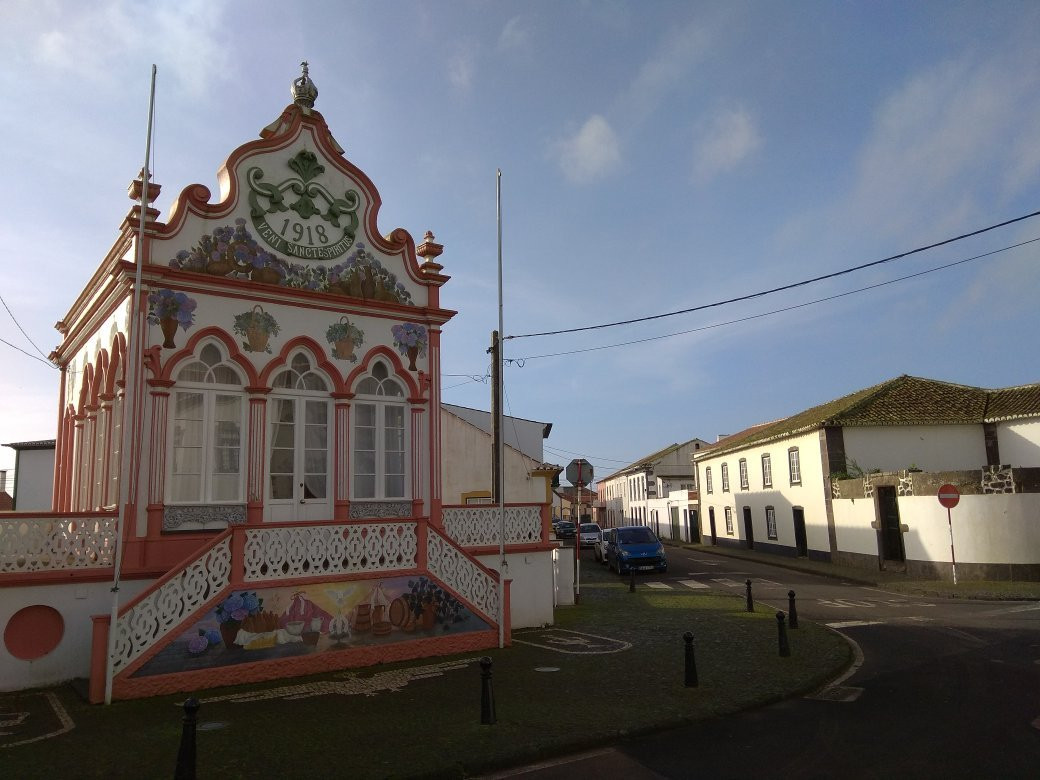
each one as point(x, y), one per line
point(855, 481)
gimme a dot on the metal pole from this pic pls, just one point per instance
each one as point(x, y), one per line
point(130, 401)
point(953, 557)
point(503, 567)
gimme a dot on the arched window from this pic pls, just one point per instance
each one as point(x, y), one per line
point(206, 431)
point(299, 486)
point(379, 438)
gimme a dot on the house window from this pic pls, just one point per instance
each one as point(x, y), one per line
point(707, 479)
point(729, 520)
point(770, 522)
point(794, 466)
point(379, 437)
point(725, 477)
point(767, 472)
point(743, 474)
point(206, 435)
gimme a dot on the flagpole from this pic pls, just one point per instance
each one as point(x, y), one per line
point(131, 400)
point(503, 565)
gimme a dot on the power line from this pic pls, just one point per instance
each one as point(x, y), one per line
point(520, 361)
point(791, 286)
point(28, 354)
point(15, 320)
point(560, 451)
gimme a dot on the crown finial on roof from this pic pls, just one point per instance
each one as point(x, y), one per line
point(303, 90)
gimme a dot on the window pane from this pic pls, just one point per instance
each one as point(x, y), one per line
point(185, 487)
point(316, 413)
point(222, 375)
point(367, 386)
point(193, 372)
point(395, 463)
point(284, 379)
point(225, 487)
point(300, 364)
point(394, 486)
point(314, 382)
point(365, 486)
point(281, 486)
point(314, 486)
point(392, 389)
point(393, 439)
point(394, 416)
point(316, 437)
point(365, 463)
point(365, 439)
point(281, 461)
point(365, 414)
point(315, 462)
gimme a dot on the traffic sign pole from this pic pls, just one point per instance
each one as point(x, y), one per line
point(949, 496)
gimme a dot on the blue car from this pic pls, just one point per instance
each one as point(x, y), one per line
point(636, 548)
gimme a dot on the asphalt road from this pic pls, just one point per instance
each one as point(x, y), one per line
point(944, 688)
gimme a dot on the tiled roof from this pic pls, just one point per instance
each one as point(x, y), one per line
point(905, 400)
point(638, 464)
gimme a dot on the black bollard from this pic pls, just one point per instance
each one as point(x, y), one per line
point(487, 694)
point(186, 752)
point(691, 661)
point(750, 603)
point(631, 580)
point(781, 631)
point(792, 610)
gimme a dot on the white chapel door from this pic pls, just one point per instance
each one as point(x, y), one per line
point(299, 471)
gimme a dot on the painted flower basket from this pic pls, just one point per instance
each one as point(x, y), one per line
point(344, 337)
point(410, 339)
point(256, 327)
point(235, 609)
point(170, 310)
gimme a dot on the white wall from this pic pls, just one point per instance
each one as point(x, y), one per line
point(531, 592)
point(1000, 528)
point(466, 453)
point(34, 484)
point(1019, 443)
point(524, 435)
point(71, 658)
point(928, 447)
point(810, 495)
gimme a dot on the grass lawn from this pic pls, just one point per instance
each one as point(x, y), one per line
point(376, 722)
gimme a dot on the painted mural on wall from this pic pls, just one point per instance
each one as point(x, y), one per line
point(170, 310)
point(256, 327)
point(233, 252)
point(273, 623)
point(344, 337)
point(411, 340)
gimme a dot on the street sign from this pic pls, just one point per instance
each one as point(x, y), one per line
point(949, 495)
point(579, 472)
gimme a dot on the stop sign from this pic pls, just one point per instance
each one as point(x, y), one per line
point(949, 495)
point(579, 472)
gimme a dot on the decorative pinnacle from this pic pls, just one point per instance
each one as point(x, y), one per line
point(304, 93)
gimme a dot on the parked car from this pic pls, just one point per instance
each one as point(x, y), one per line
point(636, 548)
point(565, 530)
point(599, 549)
point(588, 533)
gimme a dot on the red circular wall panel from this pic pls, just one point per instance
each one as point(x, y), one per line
point(33, 632)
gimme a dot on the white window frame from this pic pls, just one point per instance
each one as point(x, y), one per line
point(707, 479)
point(728, 511)
point(794, 466)
point(767, 470)
point(209, 391)
point(725, 477)
point(381, 403)
point(743, 474)
point(771, 522)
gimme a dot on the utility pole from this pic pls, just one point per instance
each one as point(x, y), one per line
point(496, 417)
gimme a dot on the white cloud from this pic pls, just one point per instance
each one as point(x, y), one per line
point(729, 138)
point(515, 35)
point(668, 67)
point(460, 70)
point(593, 152)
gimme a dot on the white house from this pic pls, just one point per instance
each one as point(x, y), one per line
point(34, 475)
point(855, 480)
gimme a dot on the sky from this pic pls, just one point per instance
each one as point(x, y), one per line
point(655, 157)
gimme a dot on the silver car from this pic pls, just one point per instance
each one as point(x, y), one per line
point(599, 549)
point(588, 534)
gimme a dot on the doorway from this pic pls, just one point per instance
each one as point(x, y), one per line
point(673, 512)
point(749, 529)
point(891, 534)
point(801, 542)
point(298, 460)
point(711, 524)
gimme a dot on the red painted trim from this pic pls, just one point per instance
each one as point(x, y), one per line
point(363, 368)
point(317, 352)
point(98, 656)
point(166, 370)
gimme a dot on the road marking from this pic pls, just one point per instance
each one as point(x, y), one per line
point(728, 583)
point(658, 585)
point(66, 722)
point(844, 603)
point(854, 623)
point(693, 584)
point(704, 563)
point(835, 691)
point(766, 582)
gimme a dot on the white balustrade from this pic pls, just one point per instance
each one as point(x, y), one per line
point(163, 609)
point(462, 574)
point(34, 544)
point(479, 526)
point(286, 552)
